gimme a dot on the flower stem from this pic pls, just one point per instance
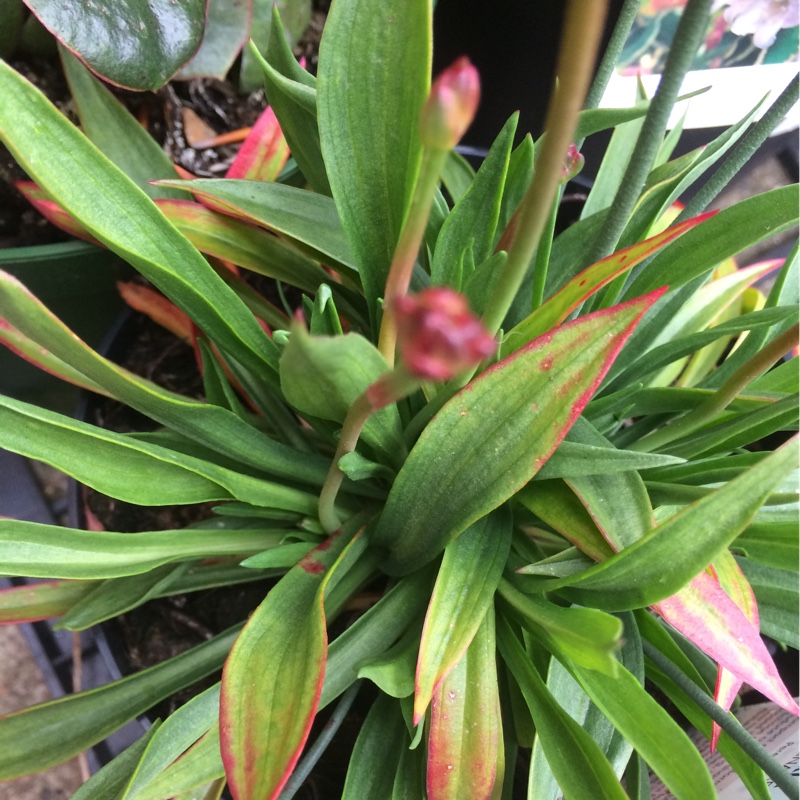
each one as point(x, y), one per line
point(582, 29)
point(389, 388)
point(685, 43)
point(751, 746)
point(408, 246)
point(724, 396)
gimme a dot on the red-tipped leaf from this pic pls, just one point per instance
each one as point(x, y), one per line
point(263, 153)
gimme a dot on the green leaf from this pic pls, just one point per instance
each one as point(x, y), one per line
point(111, 779)
point(134, 470)
point(68, 167)
point(297, 14)
point(725, 234)
point(491, 438)
point(577, 762)
point(324, 375)
point(266, 721)
point(577, 460)
point(465, 734)
point(457, 175)
point(458, 607)
point(518, 179)
point(224, 237)
point(36, 550)
point(376, 753)
point(305, 217)
point(227, 26)
point(291, 92)
point(369, 108)
point(44, 735)
point(777, 595)
point(138, 44)
point(181, 730)
point(590, 637)
point(216, 427)
point(374, 632)
point(649, 728)
point(116, 596)
point(630, 516)
point(558, 307)
point(687, 543)
point(475, 215)
point(36, 601)
point(115, 132)
point(569, 695)
point(393, 671)
point(199, 767)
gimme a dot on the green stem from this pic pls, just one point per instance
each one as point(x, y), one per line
point(389, 388)
point(724, 396)
point(625, 20)
point(743, 151)
point(405, 253)
point(354, 422)
point(751, 746)
point(582, 29)
point(688, 36)
point(542, 259)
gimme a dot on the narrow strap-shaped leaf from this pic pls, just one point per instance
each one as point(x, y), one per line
point(37, 550)
point(704, 613)
point(368, 107)
point(132, 469)
point(115, 131)
point(273, 678)
point(376, 754)
point(649, 728)
point(569, 695)
point(304, 216)
point(222, 236)
point(47, 734)
point(724, 235)
point(36, 601)
point(661, 563)
point(465, 729)
point(580, 767)
point(263, 153)
point(476, 213)
point(590, 637)
point(468, 576)
point(558, 307)
point(374, 632)
point(292, 94)
point(491, 438)
point(114, 210)
point(182, 729)
point(110, 780)
point(777, 595)
point(216, 427)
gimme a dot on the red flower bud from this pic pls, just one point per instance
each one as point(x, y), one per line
point(573, 164)
point(451, 105)
point(438, 335)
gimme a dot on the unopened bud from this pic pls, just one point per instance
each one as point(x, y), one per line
point(451, 106)
point(438, 336)
point(573, 164)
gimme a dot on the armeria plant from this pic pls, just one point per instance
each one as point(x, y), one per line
point(514, 468)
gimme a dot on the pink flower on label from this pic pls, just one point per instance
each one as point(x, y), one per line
point(451, 105)
point(762, 18)
point(438, 336)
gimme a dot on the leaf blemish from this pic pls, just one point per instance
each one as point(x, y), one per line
point(312, 567)
point(546, 363)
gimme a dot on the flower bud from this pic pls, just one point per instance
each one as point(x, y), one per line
point(438, 336)
point(451, 105)
point(573, 164)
